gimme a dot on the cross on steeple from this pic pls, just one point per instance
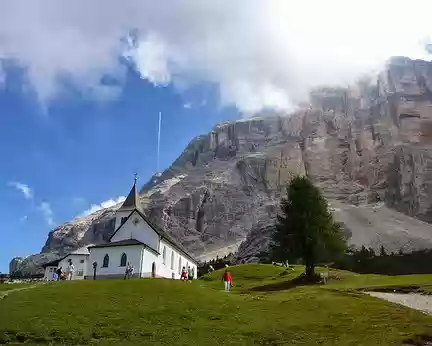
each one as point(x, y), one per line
point(135, 177)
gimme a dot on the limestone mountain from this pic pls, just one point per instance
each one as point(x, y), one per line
point(368, 147)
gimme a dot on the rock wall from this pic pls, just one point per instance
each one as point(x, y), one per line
point(367, 147)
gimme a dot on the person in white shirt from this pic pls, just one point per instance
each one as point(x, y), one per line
point(70, 270)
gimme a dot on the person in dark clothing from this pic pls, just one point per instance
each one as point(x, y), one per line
point(59, 273)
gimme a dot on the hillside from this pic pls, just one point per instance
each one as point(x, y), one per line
point(367, 147)
point(161, 312)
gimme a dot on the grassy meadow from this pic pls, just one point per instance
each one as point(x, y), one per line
point(264, 308)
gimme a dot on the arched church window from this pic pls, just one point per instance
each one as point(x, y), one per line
point(164, 255)
point(123, 260)
point(105, 261)
point(172, 260)
point(180, 267)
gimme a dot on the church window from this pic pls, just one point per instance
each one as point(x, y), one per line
point(123, 220)
point(80, 272)
point(123, 260)
point(180, 267)
point(105, 261)
point(164, 255)
point(81, 261)
point(172, 260)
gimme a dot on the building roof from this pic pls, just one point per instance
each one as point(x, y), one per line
point(126, 242)
point(131, 202)
point(118, 243)
point(159, 231)
point(81, 251)
point(52, 263)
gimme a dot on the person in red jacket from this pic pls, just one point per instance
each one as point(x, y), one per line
point(227, 279)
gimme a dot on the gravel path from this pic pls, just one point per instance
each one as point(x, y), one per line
point(415, 301)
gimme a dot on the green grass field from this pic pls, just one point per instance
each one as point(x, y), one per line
point(262, 309)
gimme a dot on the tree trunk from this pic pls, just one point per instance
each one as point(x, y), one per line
point(310, 270)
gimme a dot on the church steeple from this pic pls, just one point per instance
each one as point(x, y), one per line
point(131, 202)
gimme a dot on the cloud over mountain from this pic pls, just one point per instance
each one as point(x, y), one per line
point(259, 53)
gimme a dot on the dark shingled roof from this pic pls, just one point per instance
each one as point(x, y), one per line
point(131, 202)
point(118, 243)
point(52, 263)
point(126, 242)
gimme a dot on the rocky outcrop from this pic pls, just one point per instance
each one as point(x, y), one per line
point(368, 148)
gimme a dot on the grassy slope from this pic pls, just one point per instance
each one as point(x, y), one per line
point(171, 312)
point(8, 287)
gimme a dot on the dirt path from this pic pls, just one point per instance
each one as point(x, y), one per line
point(415, 301)
point(3, 294)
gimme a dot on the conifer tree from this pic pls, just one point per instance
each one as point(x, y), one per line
point(306, 230)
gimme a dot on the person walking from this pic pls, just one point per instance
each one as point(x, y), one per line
point(227, 279)
point(183, 276)
point(127, 271)
point(59, 273)
point(190, 274)
point(70, 270)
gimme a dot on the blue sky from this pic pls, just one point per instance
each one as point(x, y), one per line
point(77, 152)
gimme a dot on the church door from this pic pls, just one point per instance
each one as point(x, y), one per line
point(153, 270)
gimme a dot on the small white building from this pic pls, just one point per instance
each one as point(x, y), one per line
point(50, 269)
point(77, 258)
point(140, 243)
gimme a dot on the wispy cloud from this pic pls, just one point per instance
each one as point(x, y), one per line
point(47, 213)
point(23, 188)
point(187, 105)
point(105, 204)
point(44, 208)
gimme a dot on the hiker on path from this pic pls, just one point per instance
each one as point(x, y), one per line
point(227, 279)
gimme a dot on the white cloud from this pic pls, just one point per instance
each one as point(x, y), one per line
point(187, 105)
point(47, 213)
point(259, 53)
point(23, 188)
point(105, 204)
point(24, 218)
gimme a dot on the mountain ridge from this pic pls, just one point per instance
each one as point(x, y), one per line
point(367, 147)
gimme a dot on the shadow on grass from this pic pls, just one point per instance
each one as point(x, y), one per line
point(419, 340)
point(301, 280)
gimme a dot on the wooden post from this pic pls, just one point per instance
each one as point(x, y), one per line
point(94, 270)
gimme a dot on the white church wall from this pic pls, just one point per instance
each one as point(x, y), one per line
point(80, 265)
point(149, 257)
point(49, 273)
point(140, 231)
point(119, 215)
point(134, 257)
point(172, 266)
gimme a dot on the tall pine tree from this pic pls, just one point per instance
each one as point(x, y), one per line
point(306, 230)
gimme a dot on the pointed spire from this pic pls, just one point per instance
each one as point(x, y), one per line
point(132, 202)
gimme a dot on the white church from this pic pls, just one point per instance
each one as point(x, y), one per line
point(136, 241)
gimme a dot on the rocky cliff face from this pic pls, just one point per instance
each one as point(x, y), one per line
point(369, 148)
